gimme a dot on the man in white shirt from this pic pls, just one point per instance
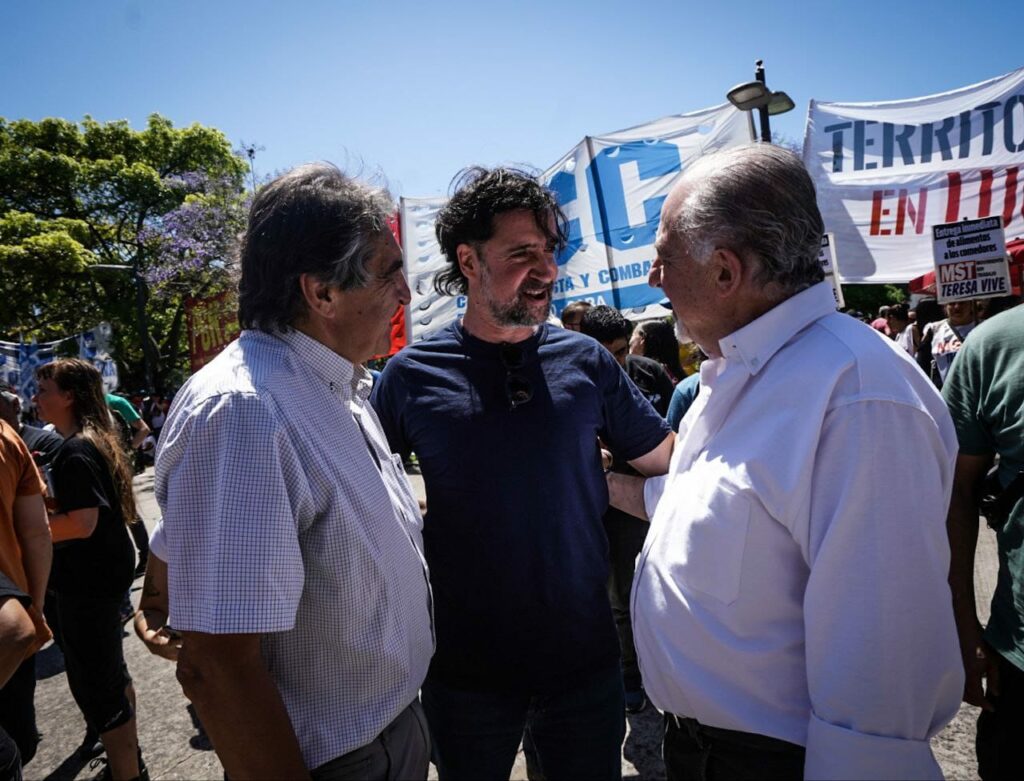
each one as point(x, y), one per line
point(294, 541)
point(790, 607)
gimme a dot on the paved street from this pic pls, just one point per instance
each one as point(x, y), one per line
point(172, 751)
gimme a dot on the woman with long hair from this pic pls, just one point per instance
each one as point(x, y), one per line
point(93, 561)
point(657, 339)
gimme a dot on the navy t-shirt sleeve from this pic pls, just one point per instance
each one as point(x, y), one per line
point(77, 482)
point(632, 427)
point(8, 589)
point(388, 400)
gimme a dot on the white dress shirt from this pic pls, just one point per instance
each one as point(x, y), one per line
point(285, 514)
point(793, 582)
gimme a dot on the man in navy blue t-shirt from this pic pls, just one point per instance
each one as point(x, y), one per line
point(504, 413)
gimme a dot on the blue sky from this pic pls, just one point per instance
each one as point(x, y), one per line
point(417, 90)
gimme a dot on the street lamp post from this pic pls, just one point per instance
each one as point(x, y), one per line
point(756, 95)
point(148, 357)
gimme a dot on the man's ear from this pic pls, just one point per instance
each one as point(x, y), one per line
point(728, 271)
point(469, 261)
point(317, 293)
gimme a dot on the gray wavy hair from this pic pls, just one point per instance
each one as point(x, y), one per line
point(313, 219)
point(759, 201)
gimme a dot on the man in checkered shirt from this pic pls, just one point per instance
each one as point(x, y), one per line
point(296, 572)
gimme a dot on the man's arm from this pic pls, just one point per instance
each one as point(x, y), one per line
point(141, 432)
point(225, 678)
point(17, 634)
point(655, 462)
point(33, 533)
point(151, 617)
point(962, 528)
point(882, 659)
point(626, 493)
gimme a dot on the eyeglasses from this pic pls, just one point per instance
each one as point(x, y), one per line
point(518, 389)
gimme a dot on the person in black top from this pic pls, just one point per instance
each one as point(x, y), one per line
point(657, 339)
point(42, 444)
point(626, 534)
point(94, 561)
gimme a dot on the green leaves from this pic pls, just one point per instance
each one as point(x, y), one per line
point(73, 195)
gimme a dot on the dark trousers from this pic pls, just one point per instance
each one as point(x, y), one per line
point(695, 752)
point(573, 734)
point(400, 752)
point(1000, 743)
point(626, 536)
point(10, 761)
point(17, 709)
point(90, 637)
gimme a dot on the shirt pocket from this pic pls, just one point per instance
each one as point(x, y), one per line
point(714, 540)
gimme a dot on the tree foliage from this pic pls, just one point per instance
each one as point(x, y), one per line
point(165, 202)
point(868, 298)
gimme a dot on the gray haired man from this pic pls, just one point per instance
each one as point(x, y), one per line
point(790, 607)
point(296, 572)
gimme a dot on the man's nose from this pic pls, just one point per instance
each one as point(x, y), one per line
point(546, 267)
point(654, 277)
point(402, 288)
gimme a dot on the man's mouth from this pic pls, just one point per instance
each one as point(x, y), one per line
point(537, 292)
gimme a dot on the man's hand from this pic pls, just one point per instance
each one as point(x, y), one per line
point(163, 642)
point(980, 662)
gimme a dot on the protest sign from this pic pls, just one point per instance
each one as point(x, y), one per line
point(970, 260)
point(827, 259)
point(212, 325)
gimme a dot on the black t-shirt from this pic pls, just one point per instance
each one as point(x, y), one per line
point(42, 444)
point(102, 564)
point(652, 380)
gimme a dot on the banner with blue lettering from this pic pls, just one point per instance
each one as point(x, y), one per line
point(611, 189)
point(887, 172)
point(19, 360)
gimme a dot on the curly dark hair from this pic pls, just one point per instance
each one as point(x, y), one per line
point(478, 195)
point(604, 324)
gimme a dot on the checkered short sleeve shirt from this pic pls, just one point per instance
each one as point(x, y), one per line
point(286, 515)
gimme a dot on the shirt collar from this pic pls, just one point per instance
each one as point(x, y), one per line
point(339, 374)
point(755, 343)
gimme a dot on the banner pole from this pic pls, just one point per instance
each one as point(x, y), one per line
point(599, 193)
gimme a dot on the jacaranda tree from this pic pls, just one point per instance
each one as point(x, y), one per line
point(77, 198)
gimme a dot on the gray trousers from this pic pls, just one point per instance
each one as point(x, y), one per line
point(400, 753)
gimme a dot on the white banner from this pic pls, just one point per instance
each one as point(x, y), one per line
point(887, 172)
point(611, 189)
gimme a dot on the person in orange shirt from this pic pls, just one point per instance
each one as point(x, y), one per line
point(25, 556)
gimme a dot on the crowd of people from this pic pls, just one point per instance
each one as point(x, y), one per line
point(608, 523)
